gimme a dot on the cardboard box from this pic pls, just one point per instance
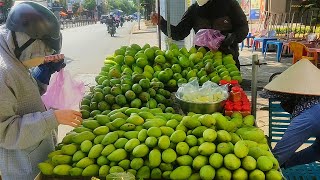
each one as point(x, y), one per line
point(44, 177)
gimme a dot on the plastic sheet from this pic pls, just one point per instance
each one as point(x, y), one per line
point(209, 92)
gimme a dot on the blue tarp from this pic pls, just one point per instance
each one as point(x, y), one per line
point(117, 12)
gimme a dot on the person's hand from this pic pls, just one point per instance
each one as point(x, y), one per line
point(68, 117)
point(225, 50)
point(44, 71)
point(226, 43)
point(155, 18)
point(55, 66)
point(229, 40)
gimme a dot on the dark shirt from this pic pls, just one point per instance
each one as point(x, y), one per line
point(224, 15)
point(111, 21)
point(293, 103)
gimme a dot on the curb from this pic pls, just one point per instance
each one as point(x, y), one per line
point(131, 32)
point(64, 29)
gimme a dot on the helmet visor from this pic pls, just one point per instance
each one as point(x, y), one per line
point(54, 43)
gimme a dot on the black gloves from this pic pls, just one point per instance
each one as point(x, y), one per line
point(226, 43)
point(44, 71)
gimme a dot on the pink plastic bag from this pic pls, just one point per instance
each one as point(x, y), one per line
point(209, 38)
point(63, 92)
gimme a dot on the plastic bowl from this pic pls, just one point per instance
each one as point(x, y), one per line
point(201, 108)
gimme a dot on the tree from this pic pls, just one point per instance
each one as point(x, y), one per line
point(7, 4)
point(311, 6)
point(308, 4)
point(126, 6)
point(90, 4)
point(6, 7)
point(104, 7)
point(147, 6)
point(75, 7)
point(63, 3)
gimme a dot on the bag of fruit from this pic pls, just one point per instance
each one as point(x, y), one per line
point(209, 38)
point(63, 92)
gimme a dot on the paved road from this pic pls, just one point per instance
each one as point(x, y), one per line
point(85, 49)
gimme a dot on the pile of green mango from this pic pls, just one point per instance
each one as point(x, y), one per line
point(151, 144)
point(174, 65)
point(136, 76)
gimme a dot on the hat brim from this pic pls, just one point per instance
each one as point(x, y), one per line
point(301, 78)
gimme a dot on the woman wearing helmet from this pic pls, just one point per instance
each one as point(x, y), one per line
point(223, 15)
point(27, 129)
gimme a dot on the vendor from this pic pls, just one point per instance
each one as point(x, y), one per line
point(224, 15)
point(299, 92)
point(27, 129)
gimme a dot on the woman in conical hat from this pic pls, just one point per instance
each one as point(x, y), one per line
point(298, 89)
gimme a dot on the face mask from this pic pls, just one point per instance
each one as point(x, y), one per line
point(202, 2)
point(34, 62)
point(34, 54)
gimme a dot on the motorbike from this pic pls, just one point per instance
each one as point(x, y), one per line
point(112, 30)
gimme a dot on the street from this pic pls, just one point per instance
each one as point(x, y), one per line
point(85, 49)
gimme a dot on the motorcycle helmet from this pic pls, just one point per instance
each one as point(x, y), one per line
point(38, 22)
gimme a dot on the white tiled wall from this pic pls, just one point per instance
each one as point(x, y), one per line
point(189, 40)
point(177, 9)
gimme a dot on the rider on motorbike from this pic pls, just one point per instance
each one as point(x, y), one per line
point(110, 22)
point(112, 25)
point(121, 20)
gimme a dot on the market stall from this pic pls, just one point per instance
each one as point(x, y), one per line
point(140, 121)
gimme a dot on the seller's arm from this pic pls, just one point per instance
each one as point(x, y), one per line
point(239, 22)
point(182, 30)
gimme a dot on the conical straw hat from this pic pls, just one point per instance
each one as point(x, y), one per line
point(301, 78)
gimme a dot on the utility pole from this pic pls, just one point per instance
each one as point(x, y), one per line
point(159, 25)
point(139, 6)
point(168, 16)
